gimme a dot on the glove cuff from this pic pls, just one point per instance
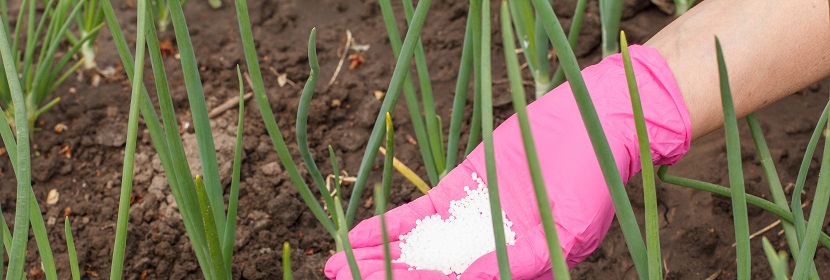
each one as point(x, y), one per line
point(667, 117)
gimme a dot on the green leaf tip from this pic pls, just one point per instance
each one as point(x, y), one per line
point(623, 39)
point(388, 120)
point(652, 224)
point(286, 262)
point(735, 165)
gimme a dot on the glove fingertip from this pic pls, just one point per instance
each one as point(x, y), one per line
point(485, 267)
point(334, 264)
point(527, 259)
point(366, 233)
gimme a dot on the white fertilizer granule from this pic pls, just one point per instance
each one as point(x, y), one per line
point(453, 244)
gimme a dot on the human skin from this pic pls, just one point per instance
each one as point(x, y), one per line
point(772, 49)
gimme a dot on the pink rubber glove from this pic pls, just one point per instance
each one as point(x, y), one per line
point(581, 203)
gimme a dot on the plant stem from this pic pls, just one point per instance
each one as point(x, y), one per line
point(817, 214)
point(270, 123)
point(655, 268)
point(610, 12)
point(286, 262)
point(380, 209)
point(475, 124)
point(433, 129)
point(573, 35)
point(302, 119)
point(129, 152)
point(198, 110)
point(776, 190)
point(460, 99)
point(798, 214)
point(610, 172)
point(560, 267)
point(88, 52)
point(487, 138)
point(411, 97)
point(70, 250)
point(392, 94)
point(388, 161)
point(736, 180)
point(783, 213)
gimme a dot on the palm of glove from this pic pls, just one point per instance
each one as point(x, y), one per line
point(579, 198)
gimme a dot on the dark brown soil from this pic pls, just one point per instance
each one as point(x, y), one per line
point(696, 229)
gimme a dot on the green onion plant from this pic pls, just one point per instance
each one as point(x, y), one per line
point(28, 211)
point(35, 218)
point(40, 64)
point(89, 23)
point(210, 228)
point(486, 84)
point(429, 132)
point(330, 224)
point(800, 224)
point(610, 14)
point(534, 42)
point(560, 268)
point(573, 35)
point(655, 268)
point(474, 30)
point(17, 142)
point(771, 174)
point(286, 262)
point(386, 183)
point(534, 45)
point(393, 92)
point(19, 154)
point(70, 248)
point(336, 224)
point(804, 261)
point(129, 153)
point(790, 229)
point(778, 261)
point(380, 208)
point(161, 12)
point(271, 126)
point(736, 179)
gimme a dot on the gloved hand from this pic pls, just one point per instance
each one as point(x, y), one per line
point(579, 198)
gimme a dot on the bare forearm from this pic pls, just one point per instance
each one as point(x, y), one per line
point(772, 49)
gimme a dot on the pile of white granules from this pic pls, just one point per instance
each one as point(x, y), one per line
point(453, 244)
